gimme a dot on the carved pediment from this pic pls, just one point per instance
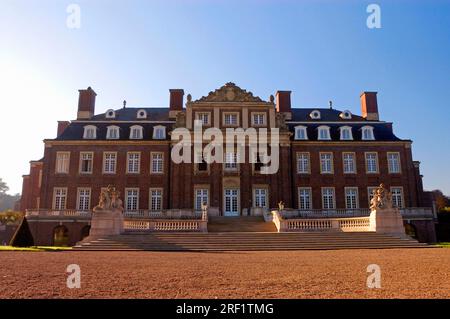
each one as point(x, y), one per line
point(230, 92)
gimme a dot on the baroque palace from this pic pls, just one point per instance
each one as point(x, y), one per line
point(330, 162)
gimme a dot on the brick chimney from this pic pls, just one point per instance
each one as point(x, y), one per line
point(86, 104)
point(369, 106)
point(283, 103)
point(62, 125)
point(176, 102)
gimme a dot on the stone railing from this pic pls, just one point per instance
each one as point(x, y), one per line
point(321, 213)
point(164, 214)
point(165, 225)
point(417, 213)
point(351, 224)
point(68, 213)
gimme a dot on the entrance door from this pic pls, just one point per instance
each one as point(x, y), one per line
point(231, 202)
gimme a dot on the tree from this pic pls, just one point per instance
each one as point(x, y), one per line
point(440, 199)
point(3, 187)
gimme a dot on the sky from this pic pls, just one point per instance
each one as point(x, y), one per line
point(138, 50)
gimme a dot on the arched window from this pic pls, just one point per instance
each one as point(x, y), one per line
point(110, 114)
point(346, 115)
point(367, 133)
point(323, 133)
point(90, 132)
point(60, 236)
point(315, 115)
point(346, 133)
point(136, 132)
point(301, 133)
point(113, 132)
point(141, 114)
point(159, 132)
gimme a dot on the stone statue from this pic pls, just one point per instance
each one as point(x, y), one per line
point(180, 120)
point(382, 198)
point(109, 200)
point(280, 119)
point(281, 206)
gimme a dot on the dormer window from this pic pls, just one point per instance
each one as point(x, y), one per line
point(367, 133)
point(136, 132)
point(113, 133)
point(159, 132)
point(301, 133)
point(110, 114)
point(346, 115)
point(315, 115)
point(90, 132)
point(346, 133)
point(323, 133)
point(142, 114)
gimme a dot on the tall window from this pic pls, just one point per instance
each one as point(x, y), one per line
point(372, 162)
point(301, 133)
point(351, 197)
point(259, 119)
point(132, 199)
point(133, 162)
point(62, 162)
point(157, 162)
point(303, 166)
point(370, 191)
point(90, 132)
point(324, 133)
point(203, 117)
point(260, 197)
point(367, 133)
point(393, 162)
point(328, 198)
point(349, 163)
point(136, 132)
point(112, 133)
point(201, 196)
point(231, 161)
point(230, 119)
point(86, 162)
point(304, 198)
point(397, 197)
point(326, 163)
point(346, 133)
point(156, 199)
point(159, 132)
point(59, 198)
point(109, 163)
point(84, 199)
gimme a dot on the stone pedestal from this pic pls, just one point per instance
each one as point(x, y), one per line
point(387, 221)
point(108, 222)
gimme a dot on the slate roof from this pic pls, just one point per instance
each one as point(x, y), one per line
point(130, 114)
point(331, 115)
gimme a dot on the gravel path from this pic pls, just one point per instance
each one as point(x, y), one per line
point(405, 273)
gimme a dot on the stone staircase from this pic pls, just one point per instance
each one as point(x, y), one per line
point(240, 225)
point(245, 241)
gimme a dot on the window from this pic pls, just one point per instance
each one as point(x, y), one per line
point(372, 163)
point(258, 118)
point(113, 133)
point(62, 162)
point(328, 198)
point(397, 196)
point(131, 199)
point(346, 115)
point(260, 197)
point(109, 162)
point(304, 198)
point(230, 161)
point(303, 166)
point(351, 197)
point(367, 133)
point(323, 133)
point(203, 117)
point(370, 191)
point(326, 163)
point(201, 197)
point(110, 114)
point(230, 119)
point(315, 115)
point(84, 199)
point(59, 198)
point(142, 114)
point(136, 132)
point(348, 160)
point(301, 133)
point(346, 133)
point(157, 163)
point(156, 199)
point(86, 162)
point(159, 132)
point(90, 132)
point(133, 162)
point(393, 162)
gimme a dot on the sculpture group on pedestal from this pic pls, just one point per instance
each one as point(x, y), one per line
point(109, 200)
point(382, 198)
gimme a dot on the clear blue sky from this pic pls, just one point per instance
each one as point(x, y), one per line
point(138, 50)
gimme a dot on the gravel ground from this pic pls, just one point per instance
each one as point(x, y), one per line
point(405, 273)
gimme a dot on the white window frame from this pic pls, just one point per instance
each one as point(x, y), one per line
point(370, 190)
point(394, 196)
point(110, 114)
point(323, 164)
point(156, 193)
point(133, 162)
point(302, 203)
point(345, 163)
point(347, 129)
point(81, 162)
point(300, 129)
point(230, 162)
point(224, 120)
point(156, 162)
point(200, 117)
point(370, 136)
point(159, 132)
point(327, 136)
point(62, 165)
point(59, 198)
point(90, 132)
point(356, 197)
point(391, 165)
point(260, 194)
point(201, 195)
point(84, 199)
point(110, 130)
point(136, 128)
point(303, 163)
point(135, 197)
point(109, 162)
point(315, 115)
point(141, 116)
point(325, 203)
point(366, 159)
point(256, 118)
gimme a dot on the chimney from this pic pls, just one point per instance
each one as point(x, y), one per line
point(369, 106)
point(283, 103)
point(176, 102)
point(62, 125)
point(86, 104)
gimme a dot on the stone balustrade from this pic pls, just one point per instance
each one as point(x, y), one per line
point(68, 213)
point(165, 225)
